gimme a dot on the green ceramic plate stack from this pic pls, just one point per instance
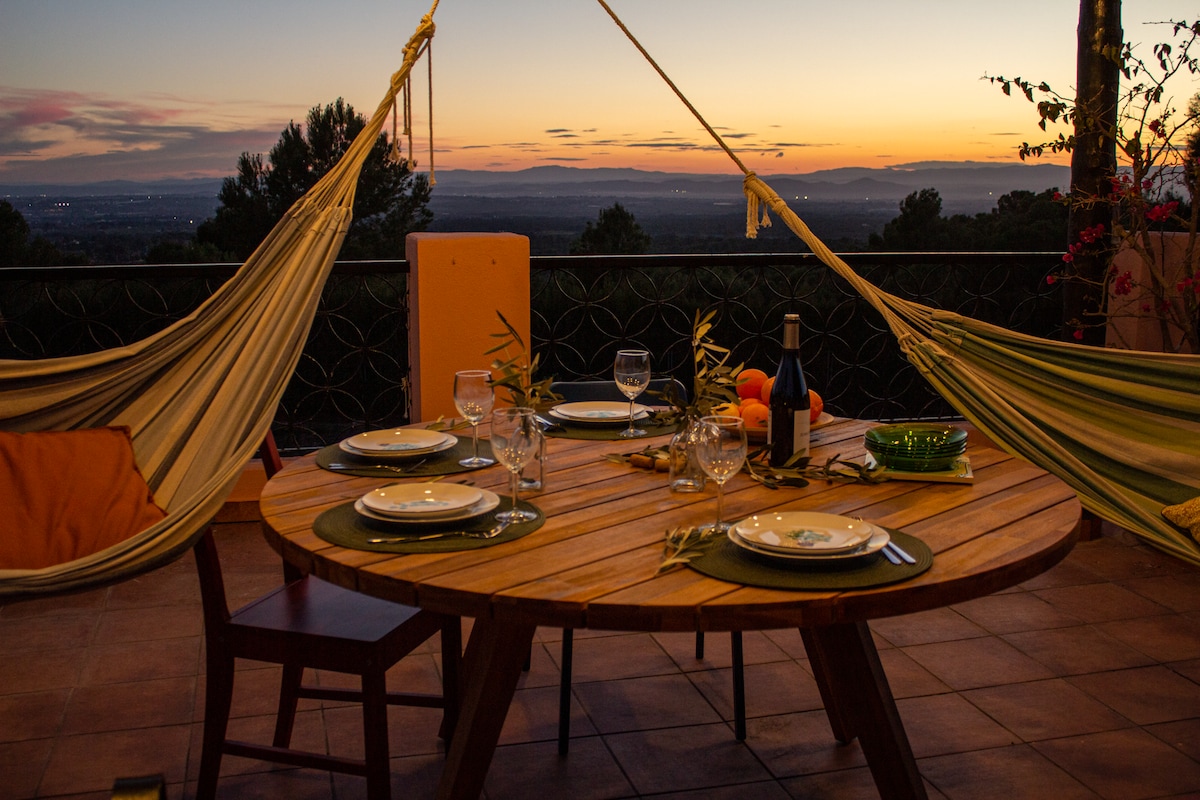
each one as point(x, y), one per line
point(916, 446)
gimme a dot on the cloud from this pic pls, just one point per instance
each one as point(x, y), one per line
point(59, 136)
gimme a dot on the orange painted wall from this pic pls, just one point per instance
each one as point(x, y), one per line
point(457, 283)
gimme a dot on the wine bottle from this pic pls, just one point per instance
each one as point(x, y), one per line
point(787, 424)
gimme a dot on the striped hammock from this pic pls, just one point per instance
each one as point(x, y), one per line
point(199, 396)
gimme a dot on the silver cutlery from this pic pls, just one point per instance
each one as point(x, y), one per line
point(890, 556)
point(490, 533)
point(896, 554)
point(339, 467)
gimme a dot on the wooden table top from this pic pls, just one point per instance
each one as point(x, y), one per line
point(593, 563)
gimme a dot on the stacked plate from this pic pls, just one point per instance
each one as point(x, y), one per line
point(600, 412)
point(421, 503)
point(916, 447)
point(398, 443)
point(807, 536)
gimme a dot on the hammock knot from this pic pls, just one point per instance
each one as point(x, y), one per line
point(753, 220)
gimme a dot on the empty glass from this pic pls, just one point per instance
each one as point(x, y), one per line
point(515, 438)
point(473, 397)
point(631, 371)
point(721, 453)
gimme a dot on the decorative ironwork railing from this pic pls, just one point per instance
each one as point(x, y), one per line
point(353, 375)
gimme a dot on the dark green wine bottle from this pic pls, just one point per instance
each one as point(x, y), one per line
point(787, 425)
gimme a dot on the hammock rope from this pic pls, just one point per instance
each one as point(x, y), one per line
point(1121, 427)
point(200, 395)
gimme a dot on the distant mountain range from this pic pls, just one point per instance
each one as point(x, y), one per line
point(963, 186)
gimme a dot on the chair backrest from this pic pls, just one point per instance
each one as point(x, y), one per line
point(212, 583)
point(585, 391)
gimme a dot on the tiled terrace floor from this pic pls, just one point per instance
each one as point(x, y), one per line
point(1082, 683)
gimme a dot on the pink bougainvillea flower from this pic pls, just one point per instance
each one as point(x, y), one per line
point(1162, 212)
point(1078, 334)
point(1051, 280)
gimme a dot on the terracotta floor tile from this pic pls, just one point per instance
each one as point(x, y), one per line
point(846, 784)
point(533, 717)
point(51, 632)
point(614, 658)
point(32, 715)
point(1184, 736)
point(122, 706)
point(41, 607)
point(762, 790)
point(644, 703)
point(1177, 592)
point(947, 723)
point(757, 648)
point(1124, 765)
point(780, 687)
point(1001, 774)
point(1074, 651)
point(36, 671)
point(1145, 695)
point(800, 744)
point(1067, 572)
point(590, 772)
point(938, 625)
point(1045, 709)
point(139, 661)
point(89, 763)
point(22, 764)
point(1100, 602)
point(1163, 638)
point(148, 624)
point(972, 663)
point(308, 733)
point(1014, 611)
point(412, 731)
point(686, 758)
point(1114, 562)
point(906, 677)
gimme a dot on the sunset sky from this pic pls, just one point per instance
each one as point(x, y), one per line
point(142, 89)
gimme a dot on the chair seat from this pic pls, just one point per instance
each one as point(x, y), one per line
point(313, 607)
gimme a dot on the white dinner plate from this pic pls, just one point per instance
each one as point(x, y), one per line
point(808, 532)
point(421, 499)
point(402, 442)
point(487, 502)
point(878, 539)
point(598, 411)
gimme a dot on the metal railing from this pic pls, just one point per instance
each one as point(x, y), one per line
point(353, 375)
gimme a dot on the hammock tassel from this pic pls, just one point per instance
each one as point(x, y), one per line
point(754, 220)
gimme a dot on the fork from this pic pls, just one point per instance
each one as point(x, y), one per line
point(336, 466)
point(896, 554)
point(490, 533)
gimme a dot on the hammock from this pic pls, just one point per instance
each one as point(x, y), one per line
point(1121, 427)
point(199, 396)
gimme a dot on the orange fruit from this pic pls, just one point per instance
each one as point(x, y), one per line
point(816, 406)
point(750, 401)
point(755, 415)
point(750, 382)
point(765, 392)
point(727, 410)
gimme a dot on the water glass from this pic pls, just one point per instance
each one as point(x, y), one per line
point(473, 397)
point(721, 453)
point(515, 439)
point(631, 371)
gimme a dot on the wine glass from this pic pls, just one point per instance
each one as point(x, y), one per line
point(514, 442)
point(721, 453)
point(631, 371)
point(473, 397)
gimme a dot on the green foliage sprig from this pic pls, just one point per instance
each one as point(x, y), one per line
point(714, 382)
point(799, 471)
point(682, 545)
point(516, 371)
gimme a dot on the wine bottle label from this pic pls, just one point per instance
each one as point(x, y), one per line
point(800, 431)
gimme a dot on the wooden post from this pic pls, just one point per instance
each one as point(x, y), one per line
point(457, 283)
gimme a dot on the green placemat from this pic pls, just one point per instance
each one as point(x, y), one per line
point(443, 463)
point(727, 561)
point(343, 526)
point(596, 432)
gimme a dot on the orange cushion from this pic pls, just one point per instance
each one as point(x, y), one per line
point(68, 494)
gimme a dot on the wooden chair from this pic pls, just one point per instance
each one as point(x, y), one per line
point(310, 623)
point(583, 391)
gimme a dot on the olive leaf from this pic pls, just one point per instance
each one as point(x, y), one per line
point(515, 372)
point(682, 545)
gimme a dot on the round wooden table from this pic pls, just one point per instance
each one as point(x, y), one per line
point(593, 565)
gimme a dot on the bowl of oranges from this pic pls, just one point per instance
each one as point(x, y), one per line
point(754, 404)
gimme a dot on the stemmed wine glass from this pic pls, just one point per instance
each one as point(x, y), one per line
point(514, 442)
point(473, 397)
point(721, 453)
point(631, 371)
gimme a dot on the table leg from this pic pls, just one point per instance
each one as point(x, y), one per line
point(492, 664)
point(848, 671)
